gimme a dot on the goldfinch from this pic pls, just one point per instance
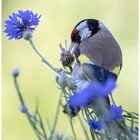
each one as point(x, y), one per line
point(95, 49)
point(98, 56)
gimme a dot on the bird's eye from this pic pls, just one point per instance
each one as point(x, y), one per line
point(91, 27)
point(75, 37)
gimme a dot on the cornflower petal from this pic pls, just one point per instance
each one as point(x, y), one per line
point(95, 125)
point(20, 22)
point(91, 92)
point(115, 112)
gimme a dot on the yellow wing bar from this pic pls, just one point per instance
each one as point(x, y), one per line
point(117, 70)
point(83, 58)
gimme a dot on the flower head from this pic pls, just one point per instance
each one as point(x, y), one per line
point(95, 125)
point(21, 22)
point(71, 111)
point(15, 72)
point(91, 92)
point(23, 108)
point(115, 112)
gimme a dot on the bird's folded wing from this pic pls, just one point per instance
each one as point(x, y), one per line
point(97, 73)
point(102, 49)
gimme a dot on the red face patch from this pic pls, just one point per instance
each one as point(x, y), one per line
point(75, 37)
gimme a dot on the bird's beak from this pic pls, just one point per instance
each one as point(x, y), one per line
point(73, 47)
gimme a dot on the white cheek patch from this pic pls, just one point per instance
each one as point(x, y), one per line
point(85, 33)
point(102, 26)
point(82, 26)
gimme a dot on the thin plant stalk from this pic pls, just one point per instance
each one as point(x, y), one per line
point(56, 118)
point(92, 134)
point(40, 122)
point(112, 99)
point(26, 112)
point(42, 126)
point(84, 130)
point(40, 55)
point(72, 127)
point(70, 119)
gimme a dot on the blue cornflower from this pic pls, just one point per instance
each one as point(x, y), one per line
point(115, 112)
point(92, 91)
point(95, 125)
point(20, 22)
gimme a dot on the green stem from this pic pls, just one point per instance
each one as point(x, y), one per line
point(35, 130)
point(42, 126)
point(132, 124)
point(73, 129)
point(18, 91)
point(131, 114)
point(43, 59)
point(112, 99)
point(48, 124)
point(84, 130)
point(71, 124)
point(23, 103)
point(56, 118)
point(126, 130)
point(92, 134)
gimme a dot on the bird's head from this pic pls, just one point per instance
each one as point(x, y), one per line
point(84, 29)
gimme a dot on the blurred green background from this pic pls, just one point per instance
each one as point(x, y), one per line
point(36, 79)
